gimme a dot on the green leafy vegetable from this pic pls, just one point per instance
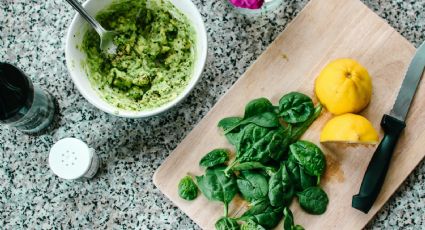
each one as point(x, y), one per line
point(299, 177)
point(226, 223)
point(250, 165)
point(313, 200)
point(259, 206)
point(229, 122)
point(299, 129)
point(233, 138)
point(267, 120)
point(251, 225)
point(258, 111)
point(252, 185)
point(309, 156)
point(293, 171)
point(281, 190)
point(259, 144)
point(262, 144)
point(306, 180)
point(295, 107)
point(262, 213)
point(271, 165)
point(187, 188)
point(288, 221)
point(214, 158)
point(215, 185)
point(258, 106)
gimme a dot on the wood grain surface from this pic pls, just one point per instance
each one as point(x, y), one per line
point(323, 30)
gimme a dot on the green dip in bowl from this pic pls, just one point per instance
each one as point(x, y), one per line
point(155, 56)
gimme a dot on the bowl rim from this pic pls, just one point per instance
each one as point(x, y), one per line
point(200, 56)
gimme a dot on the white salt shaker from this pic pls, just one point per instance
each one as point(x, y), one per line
point(71, 158)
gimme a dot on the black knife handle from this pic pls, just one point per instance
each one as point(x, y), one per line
point(378, 165)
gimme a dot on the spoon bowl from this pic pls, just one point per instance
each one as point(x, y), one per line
point(107, 42)
point(106, 37)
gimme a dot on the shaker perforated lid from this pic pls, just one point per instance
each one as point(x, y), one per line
point(70, 158)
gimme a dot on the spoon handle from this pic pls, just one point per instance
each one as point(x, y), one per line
point(99, 29)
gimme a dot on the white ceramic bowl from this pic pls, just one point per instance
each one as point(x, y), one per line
point(74, 57)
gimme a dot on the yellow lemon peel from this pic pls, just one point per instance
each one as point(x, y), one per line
point(349, 128)
point(344, 86)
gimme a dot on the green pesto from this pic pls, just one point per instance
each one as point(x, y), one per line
point(155, 55)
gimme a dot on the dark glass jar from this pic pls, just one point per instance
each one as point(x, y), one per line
point(23, 105)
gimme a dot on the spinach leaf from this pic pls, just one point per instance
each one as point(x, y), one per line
point(288, 219)
point(229, 122)
point(251, 225)
point(258, 106)
point(258, 206)
point(226, 223)
point(250, 165)
point(299, 129)
point(306, 180)
point(233, 138)
point(214, 158)
point(262, 213)
point(313, 200)
point(267, 120)
point(261, 144)
point(187, 188)
point(293, 170)
point(295, 107)
point(252, 185)
point(309, 157)
point(299, 177)
point(215, 185)
point(258, 111)
point(281, 190)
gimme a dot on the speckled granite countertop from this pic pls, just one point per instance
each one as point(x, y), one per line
point(32, 35)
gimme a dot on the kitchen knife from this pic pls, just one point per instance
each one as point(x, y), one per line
point(392, 124)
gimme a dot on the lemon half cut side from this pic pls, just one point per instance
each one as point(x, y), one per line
point(349, 128)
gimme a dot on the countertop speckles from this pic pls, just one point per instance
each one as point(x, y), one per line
point(32, 35)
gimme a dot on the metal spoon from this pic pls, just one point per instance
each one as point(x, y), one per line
point(106, 37)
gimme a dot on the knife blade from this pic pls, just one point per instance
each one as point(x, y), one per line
point(409, 85)
point(392, 124)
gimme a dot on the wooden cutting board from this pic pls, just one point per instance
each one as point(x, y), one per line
point(323, 31)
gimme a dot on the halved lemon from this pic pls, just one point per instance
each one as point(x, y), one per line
point(344, 86)
point(349, 128)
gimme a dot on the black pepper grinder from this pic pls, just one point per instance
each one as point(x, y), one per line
point(23, 105)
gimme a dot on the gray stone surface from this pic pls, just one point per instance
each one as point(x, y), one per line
point(122, 196)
